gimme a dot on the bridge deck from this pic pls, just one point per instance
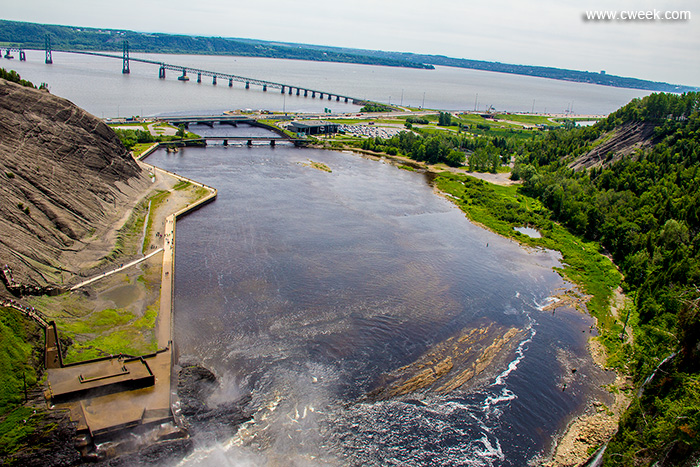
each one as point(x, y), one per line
point(215, 74)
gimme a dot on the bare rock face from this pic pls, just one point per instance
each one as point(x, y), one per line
point(66, 184)
point(623, 141)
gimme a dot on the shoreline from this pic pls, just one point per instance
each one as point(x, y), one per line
point(164, 323)
point(598, 423)
point(165, 318)
point(106, 412)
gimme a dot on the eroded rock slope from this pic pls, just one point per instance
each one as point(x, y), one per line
point(66, 185)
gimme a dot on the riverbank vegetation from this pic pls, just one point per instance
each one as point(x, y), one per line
point(21, 354)
point(140, 136)
point(627, 187)
point(643, 206)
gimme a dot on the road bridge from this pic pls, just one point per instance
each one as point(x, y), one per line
point(9, 50)
point(248, 140)
point(185, 72)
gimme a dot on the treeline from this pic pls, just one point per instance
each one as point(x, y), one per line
point(31, 35)
point(539, 71)
point(13, 76)
point(484, 154)
point(645, 210)
point(130, 138)
point(480, 153)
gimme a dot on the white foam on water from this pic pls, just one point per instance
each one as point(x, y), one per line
point(505, 395)
point(547, 301)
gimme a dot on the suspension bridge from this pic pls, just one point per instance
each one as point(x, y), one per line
point(185, 72)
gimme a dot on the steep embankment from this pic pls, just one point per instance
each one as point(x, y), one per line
point(612, 146)
point(66, 183)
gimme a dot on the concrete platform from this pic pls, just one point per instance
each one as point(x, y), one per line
point(97, 378)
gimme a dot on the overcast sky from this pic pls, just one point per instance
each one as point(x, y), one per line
point(544, 32)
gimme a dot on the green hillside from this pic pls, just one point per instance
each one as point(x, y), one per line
point(641, 202)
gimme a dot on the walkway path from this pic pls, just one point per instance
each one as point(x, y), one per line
point(120, 268)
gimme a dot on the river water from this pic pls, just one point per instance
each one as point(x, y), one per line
point(306, 288)
point(311, 290)
point(97, 85)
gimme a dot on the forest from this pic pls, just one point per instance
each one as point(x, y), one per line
point(640, 204)
point(644, 209)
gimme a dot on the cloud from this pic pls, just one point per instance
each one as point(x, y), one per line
point(548, 33)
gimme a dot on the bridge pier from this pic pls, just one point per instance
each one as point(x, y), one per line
point(272, 143)
point(213, 80)
point(320, 95)
point(298, 91)
point(230, 82)
point(247, 85)
point(313, 94)
point(282, 89)
point(22, 56)
point(306, 93)
point(346, 100)
point(161, 72)
point(337, 98)
point(47, 48)
point(265, 87)
point(199, 77)
point(225, 142)
point(250, 142)
point(329, 97)
point(125, 59)
point(290, 90)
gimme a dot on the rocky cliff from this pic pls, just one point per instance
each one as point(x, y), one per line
point(66, 185)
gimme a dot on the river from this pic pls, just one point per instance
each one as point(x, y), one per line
point(318, 293)
point(306, 289)
point(97, 85)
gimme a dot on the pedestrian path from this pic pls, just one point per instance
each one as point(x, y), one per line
point(120, 268)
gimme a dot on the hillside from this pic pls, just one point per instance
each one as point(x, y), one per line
point(31, 35)
point(636, 191)
point(66, 183)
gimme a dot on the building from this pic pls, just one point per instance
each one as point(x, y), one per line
point(313, 127)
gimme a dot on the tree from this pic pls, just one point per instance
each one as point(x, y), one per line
point(445, 119)
point(181, 131)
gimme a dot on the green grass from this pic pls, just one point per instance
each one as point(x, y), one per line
point(157, 200)
point(140, 148)
point(141, 126)
point(528, 119)
point(501, 208)
point(128, 235)
point(181, 185)
point(272, 124)
point(17, 428)
point(108, 332)
point(21, 348)
point(17, 355)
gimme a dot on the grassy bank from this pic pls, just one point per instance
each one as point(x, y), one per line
point(20, 353)
point(501, 208)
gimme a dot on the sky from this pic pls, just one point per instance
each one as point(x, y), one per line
point(543, 32)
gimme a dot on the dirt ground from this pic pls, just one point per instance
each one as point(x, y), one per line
point(117, 312)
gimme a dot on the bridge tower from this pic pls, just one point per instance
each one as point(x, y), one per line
point(125, 58)
point(47, 47)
